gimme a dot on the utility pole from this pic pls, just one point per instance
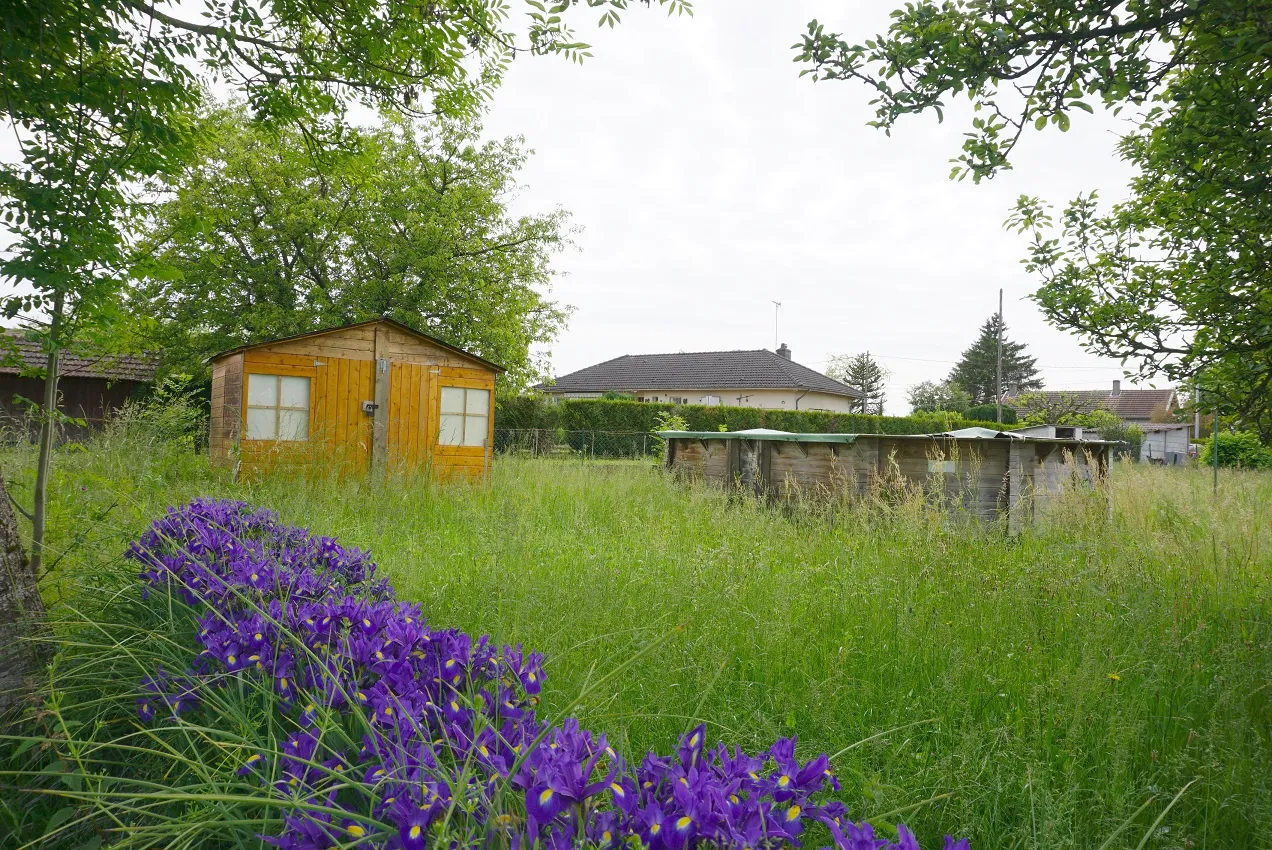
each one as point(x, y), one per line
point(777, 333)
point(998, 388)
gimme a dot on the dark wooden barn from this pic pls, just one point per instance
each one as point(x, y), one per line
point(91, 387)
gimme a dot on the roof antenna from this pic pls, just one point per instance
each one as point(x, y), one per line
point(777, 334)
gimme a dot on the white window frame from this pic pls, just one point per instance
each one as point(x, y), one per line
point(278, 407)
point(465, 416)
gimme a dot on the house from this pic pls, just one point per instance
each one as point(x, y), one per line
point(375, 394)
point(92, 386)
point(980, 472)
point(759, 378)
point(1165, 442)
point(1132, 406)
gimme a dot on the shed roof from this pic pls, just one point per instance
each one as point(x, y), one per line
point(395, 324)
point(700, 370)
point(20, 355)
point(789, 437)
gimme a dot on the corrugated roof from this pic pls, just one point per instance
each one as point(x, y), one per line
point(698, 370)
point(79, 364)
point(1128, 404)
point(789, 437)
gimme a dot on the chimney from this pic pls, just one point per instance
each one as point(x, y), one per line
point(1013, 389)
point(1117, 389)
point(783, 351)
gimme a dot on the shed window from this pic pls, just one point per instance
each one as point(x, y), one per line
point(277, 407)
point(464, 417)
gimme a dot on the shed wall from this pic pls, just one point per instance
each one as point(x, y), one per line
point(342, 368)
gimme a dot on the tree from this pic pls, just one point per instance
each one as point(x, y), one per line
point(931, 397)
point(977, 369)
point(261, 237)
point(101, 94)
point(1174, 279)
point(864, 373)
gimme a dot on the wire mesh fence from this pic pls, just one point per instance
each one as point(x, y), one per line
point(576, 445)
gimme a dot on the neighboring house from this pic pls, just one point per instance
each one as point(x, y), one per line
point(759, 378)
point(374, 393)
point(1165, 442)
point(91, 386)
point(1132, 406)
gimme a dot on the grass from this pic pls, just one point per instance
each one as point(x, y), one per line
point(1035, 692)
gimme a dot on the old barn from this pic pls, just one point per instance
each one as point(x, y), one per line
point(985, 472)
point(373, 395)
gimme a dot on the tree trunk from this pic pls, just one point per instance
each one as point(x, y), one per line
point(21, 611)
point(48, 426)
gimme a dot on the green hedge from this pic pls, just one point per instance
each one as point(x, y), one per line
point(525, 412)
point(989, 413)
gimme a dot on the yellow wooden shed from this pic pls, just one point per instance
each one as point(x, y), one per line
point(375, 395)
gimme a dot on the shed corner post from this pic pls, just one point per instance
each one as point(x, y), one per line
point(380, 416)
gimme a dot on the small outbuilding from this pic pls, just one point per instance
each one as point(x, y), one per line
point(1165, 443)
point(376, 394)
point(986, 472)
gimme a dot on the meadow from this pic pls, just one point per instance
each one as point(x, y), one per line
point(1055, 690)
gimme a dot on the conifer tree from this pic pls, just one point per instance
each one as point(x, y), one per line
point(862, 372)
point(977, 370)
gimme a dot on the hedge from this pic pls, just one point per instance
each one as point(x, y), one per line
point(603, 415)
point(989, 413)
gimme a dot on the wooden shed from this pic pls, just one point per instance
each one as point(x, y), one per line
point(375, 395)
point(987, 473)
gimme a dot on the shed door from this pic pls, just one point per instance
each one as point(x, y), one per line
point(410, 394)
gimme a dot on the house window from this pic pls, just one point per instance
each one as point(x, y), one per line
point(277, 407)
point(464, 417)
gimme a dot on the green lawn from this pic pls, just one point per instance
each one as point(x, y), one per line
point(1033, 692)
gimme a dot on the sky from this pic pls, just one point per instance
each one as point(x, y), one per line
point(708, 179)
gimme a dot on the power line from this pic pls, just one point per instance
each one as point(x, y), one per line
point(951, 362)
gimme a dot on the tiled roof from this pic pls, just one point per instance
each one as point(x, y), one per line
point(111, 367)
point(699, 370)
point(1128, 404)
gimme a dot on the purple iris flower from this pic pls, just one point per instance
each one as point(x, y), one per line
point(436, 710)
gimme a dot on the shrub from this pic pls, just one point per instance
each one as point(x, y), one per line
point(316, 708)
point(1241, 449)
point(667, 421)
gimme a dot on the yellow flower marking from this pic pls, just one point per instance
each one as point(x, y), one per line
point(618, 789)
point(684, 822)
point(792, 813)
point(654, 827)
point(355, 830)
point(255, 577)
point(257, 636)
point(230, 659)
point(545, 796)
point(414, 833)
point(783, 781)
point(253, 759)
point(282, 683)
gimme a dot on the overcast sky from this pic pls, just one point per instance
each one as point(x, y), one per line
point(709, 180)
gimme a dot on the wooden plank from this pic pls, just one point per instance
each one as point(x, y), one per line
point(257, 357)
point(341, 400)
point(380, 422)
point(411, 414)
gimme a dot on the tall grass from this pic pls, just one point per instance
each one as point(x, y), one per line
point(1037, 691)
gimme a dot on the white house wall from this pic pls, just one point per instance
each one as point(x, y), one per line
point(767, 399)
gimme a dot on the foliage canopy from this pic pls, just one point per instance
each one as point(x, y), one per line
point(1173, 280)
point(262, 237)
